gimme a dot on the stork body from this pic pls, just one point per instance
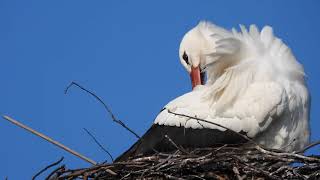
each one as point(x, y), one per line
point(255, 87)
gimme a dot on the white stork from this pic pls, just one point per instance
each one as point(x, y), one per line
point(255, 86)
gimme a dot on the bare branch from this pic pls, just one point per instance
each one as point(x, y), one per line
point(97, 142)
point(293, 155)
point(175, 145)
point(288, 145)
point(219, 125)
point(105, 107)
point(56, 143)
point(47, 167)
point(55, 172)
point(309, 146)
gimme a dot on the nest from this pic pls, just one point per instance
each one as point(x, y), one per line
point(224, 162)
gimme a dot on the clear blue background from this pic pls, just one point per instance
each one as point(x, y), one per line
point(126, 52)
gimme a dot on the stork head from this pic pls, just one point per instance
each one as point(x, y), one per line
point(191, 53)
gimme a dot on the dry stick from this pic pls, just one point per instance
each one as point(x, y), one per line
point(97, 142)
point(284, 147)
point(298, 156)
point(49, 140)
point(54, 172)
point(175, 145)
point(105, 106)
point(309, 146)
point(202, 120)
point(47, 167)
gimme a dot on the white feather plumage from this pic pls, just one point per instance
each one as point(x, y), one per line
point(254, 85)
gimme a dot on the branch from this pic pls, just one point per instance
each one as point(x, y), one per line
point(105, 107)
point(56, 143)
point(290, 144)
point(309, 146)
point(55, 172)
point(203, 120)
point(294, 155)
point(97, 142)
point(47, 167)
point(175, 145)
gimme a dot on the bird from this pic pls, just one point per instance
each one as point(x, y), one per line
point(246, 85)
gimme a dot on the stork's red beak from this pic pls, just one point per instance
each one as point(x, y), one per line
point(196, 76)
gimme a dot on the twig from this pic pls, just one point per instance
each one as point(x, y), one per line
point(105, 107)
point(56, 143)
point(175, 145)
point(236, 172)
point(309, 146)
point(284, 147)
point(287, 154)
point(47, 167)
point(97, 142)
point(219, 125)
point(54, 172)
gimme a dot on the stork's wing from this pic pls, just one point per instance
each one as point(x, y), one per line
point(252, 112)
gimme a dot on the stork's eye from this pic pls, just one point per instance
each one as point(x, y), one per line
point(185, 57)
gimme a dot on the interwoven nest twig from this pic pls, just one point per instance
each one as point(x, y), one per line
point(224, 162)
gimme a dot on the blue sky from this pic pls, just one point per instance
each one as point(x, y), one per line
point(127, 53)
